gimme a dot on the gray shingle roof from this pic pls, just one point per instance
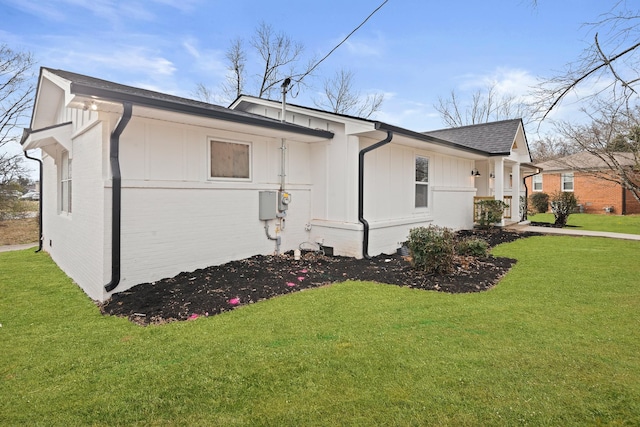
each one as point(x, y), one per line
point(493, 138)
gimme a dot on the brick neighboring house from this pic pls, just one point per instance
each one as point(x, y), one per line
point(585, 175)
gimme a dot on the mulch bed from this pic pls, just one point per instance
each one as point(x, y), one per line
point(213, 290)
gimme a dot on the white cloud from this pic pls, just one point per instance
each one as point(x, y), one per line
point(39, 9)
point(209, 61)
point(182, 5)
point(506, 81)
point(416, 116)
point(362, 46)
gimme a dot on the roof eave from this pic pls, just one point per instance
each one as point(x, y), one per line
point(431, 139)
point(88, 90)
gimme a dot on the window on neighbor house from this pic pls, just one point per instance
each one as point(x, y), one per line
point(230, 160)
point(537, 182)
point(422, 182)
point(567, 182)
point(65, 182)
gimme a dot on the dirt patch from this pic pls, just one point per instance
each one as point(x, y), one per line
point(213, 290)
point(19, 231)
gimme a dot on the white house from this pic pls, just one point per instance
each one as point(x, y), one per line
point(138, 185)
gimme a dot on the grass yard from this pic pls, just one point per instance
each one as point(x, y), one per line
point(19, 231)
point(557, 342)
point(629, 224)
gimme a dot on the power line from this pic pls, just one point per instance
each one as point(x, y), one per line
point(342, 42)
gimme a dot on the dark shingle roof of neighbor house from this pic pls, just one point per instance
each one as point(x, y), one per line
point(586, 160)
point(494, 138)
point(86, 85)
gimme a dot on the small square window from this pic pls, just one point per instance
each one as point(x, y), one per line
point(230, 160)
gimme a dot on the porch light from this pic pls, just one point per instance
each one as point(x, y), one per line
point(492, 175)
point(475, 173)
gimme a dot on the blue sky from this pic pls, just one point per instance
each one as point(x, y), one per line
point(413, 51)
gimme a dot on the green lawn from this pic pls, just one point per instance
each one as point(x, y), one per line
point(557, 342)
point(629, 224)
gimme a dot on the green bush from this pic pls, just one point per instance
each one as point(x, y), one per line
point(540, 202)
point(562, 204)
point(472, 246)
point(490, 212)
point(432, 249)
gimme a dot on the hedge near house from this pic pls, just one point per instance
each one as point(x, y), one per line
point(540, 202)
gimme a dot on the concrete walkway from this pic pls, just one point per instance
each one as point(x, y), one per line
point(574, 232)
point(18, 247)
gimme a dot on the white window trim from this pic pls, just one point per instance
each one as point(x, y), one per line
point(428, 183)
point(533, 182)
point(68, 183)
point(573, 183)
point(230, 141)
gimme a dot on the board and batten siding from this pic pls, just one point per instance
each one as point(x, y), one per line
point(390, 195)
point(389, 199)
point(176, 219)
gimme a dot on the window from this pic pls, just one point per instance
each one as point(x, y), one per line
point(537, 182)
point(567, 182)
point(231, 160)
point(65, 182)
point(422, 182)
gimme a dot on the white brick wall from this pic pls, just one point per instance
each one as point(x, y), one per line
point(75, 241)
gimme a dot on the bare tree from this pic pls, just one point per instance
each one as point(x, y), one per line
point(277, 57)
point(204, 94)
point(237, 61)
point(340, 97)
point(613, 143)
point(485, 105)
point(16, 89)
point(551, 147)
point(609, 68)
point(15, 103)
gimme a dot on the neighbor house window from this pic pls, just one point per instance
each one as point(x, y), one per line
point(230, 160)
point(567, 182)
point(65, 182)
point(537, 182)
point(422, 182)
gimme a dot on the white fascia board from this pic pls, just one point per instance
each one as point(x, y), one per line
point(64, 84)
point(54, 135)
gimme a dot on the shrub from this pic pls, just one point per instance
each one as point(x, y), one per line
point(472, 246)
point(562, 204)
point(432, 249)
point(540, 202)
point(490, 212)
point(13, 208)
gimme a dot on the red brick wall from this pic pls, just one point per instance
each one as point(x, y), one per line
point(633, 206)
point(592, 193)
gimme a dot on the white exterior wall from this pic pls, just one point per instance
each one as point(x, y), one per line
point(175, 219)
point(390, 195)
point(75, 240)
point(389, 199)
